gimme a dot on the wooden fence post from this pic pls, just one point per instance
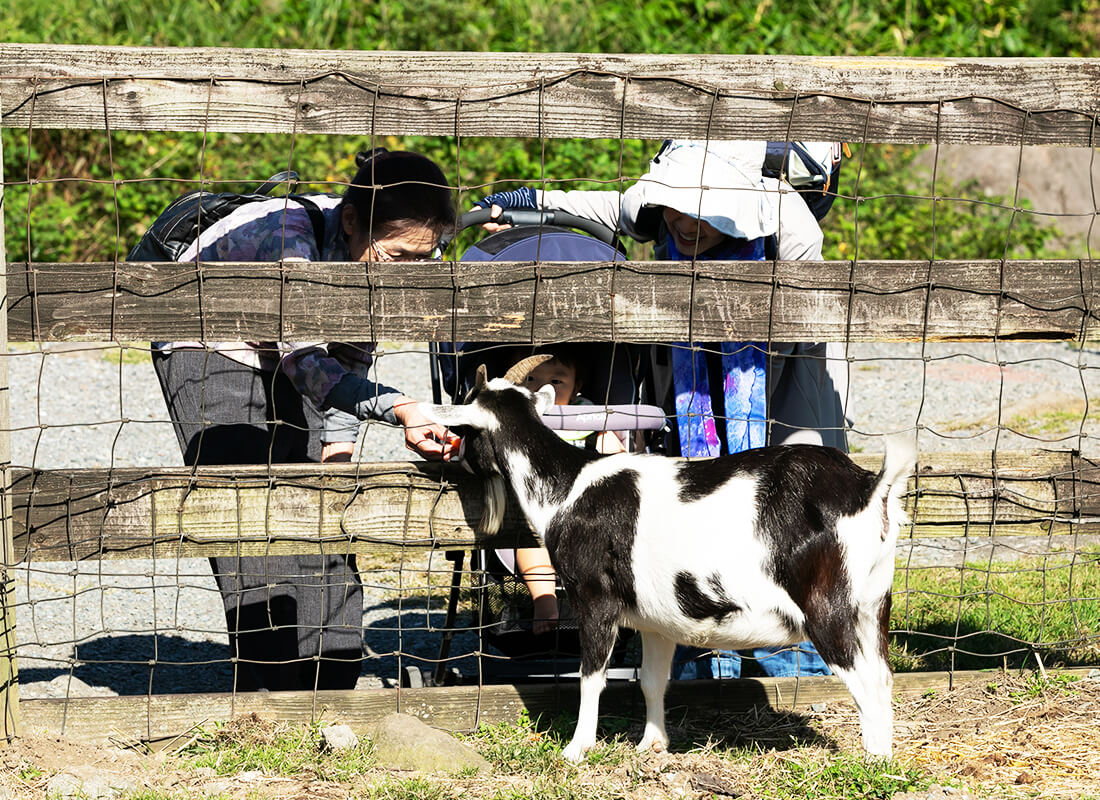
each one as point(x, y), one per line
point(8, 673)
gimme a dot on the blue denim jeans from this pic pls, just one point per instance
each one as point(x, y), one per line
point(802, 659)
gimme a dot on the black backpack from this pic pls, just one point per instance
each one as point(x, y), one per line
point(174, 230)
point(814, 179)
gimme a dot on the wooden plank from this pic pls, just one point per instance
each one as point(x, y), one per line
point(458, 708)
point(9, 674)
point(586, 301)
point(67, 515)
point(985, 493)
point(977, 101)
point(139, 513)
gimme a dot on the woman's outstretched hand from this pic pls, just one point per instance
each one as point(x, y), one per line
point(431, 440)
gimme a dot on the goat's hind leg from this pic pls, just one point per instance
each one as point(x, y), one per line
point(657, 652)
point(871, 681)
point(597, 640)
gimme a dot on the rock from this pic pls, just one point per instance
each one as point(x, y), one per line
point(218, 788)
point(66, 685)
point(713, 785)
point(335, 738)
point(64, 785)
point(404, 742)
point(88, 783)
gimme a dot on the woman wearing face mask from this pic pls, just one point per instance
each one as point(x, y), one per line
point(296, 622)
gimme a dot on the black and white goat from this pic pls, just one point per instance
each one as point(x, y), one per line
point(763, 548)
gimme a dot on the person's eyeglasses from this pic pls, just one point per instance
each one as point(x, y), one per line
point(387, 255)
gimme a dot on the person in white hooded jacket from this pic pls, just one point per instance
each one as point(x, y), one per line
point(710, 200)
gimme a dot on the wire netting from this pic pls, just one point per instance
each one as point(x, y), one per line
point(115, 595)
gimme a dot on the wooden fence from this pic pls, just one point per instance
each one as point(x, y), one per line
point(139, 513)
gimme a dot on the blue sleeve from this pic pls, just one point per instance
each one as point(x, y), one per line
point(523, 197)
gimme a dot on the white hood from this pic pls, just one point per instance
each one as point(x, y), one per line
point(718, 182)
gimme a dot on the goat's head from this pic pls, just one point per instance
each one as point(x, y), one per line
point(494, 413)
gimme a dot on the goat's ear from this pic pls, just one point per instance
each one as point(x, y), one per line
point(545, 399)
point(470, 416)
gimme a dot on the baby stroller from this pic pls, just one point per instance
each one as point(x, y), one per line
point(616, 386)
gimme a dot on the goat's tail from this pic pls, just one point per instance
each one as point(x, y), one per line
point(901, 457)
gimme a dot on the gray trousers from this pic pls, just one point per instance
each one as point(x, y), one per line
point(294, 622)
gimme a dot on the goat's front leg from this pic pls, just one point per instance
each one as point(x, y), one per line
point(657, 654)
point(597, 640)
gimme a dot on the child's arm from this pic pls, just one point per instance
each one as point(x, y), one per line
point(533, 565)
point(608, 442)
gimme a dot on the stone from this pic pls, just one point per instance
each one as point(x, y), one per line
point(66, 685)
point(88, 783)
point(64, 785)
point(335, 738)
point(404, 742)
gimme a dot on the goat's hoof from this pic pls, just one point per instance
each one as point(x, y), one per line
point(654, 745)
point(574, 752)
point(878, 753)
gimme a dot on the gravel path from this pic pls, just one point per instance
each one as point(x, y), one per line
point(94, 627)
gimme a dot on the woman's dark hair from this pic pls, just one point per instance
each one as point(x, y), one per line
point(395, 190)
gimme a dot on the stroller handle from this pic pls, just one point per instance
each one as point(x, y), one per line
point(629, 417)
point(525, 216)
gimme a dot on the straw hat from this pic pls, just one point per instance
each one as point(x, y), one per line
point(718, 182)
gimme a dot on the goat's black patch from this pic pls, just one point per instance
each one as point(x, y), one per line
point(801, 492)
point(699, 479)
point(884, 626)
point(697, 604)
point(591, 544)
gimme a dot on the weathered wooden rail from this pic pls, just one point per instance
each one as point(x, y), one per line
point(141, 513)
point(590, 301)
point(71, 515)
point(557, 95)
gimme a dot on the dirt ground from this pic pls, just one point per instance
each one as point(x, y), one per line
point(995, 737)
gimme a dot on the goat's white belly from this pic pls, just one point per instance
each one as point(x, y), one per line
point(739, 631)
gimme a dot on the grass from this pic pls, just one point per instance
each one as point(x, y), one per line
point(128, 353)
point(846, 775)
point(251, 743)
point(527, 765)
point(1049, 415)
point(986, 615)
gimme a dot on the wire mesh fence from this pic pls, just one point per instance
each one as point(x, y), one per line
point(955, 307)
